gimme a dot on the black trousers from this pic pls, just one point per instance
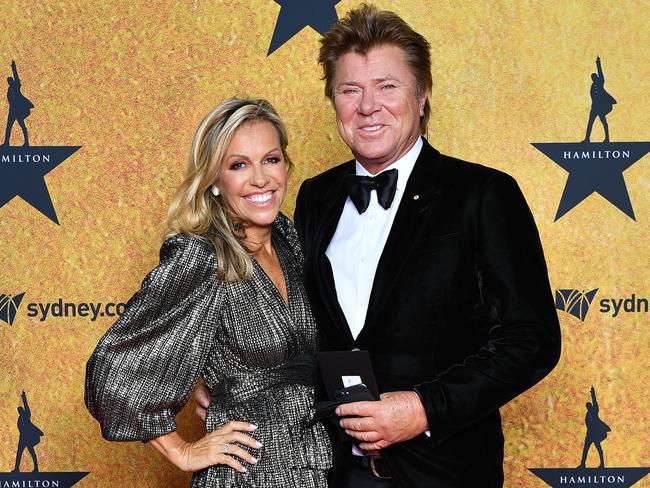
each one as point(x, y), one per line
point(355, 476)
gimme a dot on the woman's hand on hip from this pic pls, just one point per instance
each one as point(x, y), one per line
point(221, 446)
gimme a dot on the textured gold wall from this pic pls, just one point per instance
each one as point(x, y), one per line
point(129, 81)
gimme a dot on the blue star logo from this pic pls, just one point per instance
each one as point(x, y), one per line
point(298, 14)
point(22, 172)
point(23, 168)
point(29, 436)
point(60, 479)
point(590, 477)
point(585, 476)
point(594, 168)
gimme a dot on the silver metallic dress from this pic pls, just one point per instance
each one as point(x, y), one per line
point(246, 343)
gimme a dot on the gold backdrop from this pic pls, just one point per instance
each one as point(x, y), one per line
point(129, 82)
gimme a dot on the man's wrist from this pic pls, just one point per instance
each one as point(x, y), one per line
point(424, 412)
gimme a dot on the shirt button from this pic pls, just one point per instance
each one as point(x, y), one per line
point(372, 216)
point(363, 259)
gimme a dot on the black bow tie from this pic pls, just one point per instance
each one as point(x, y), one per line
point(359, 188)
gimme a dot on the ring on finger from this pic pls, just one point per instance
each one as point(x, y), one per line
point(226, 448)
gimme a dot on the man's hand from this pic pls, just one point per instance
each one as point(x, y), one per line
point(397, 417)
point(202, 399)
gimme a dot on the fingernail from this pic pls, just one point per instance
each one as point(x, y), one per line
point(253, 460)
point(253, 426)
point(244, 469)
point(258, 444)
point(337, 411)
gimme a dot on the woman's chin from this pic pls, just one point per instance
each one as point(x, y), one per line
point(261, 219)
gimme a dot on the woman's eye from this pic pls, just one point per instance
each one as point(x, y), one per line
point(238, 165)
point(272, 160)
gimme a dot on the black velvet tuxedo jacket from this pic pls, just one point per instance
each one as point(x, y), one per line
point(461, 311)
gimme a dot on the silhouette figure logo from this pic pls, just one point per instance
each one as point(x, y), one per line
point(596, 431)
point(584, 476)
point(19, 106)
point(602, 102)
point(574, 302)
point(23, 167)
point(9, 306)
point(595, 167)
point(29, 436)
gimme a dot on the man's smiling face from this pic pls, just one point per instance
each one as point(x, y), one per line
point(377, 106)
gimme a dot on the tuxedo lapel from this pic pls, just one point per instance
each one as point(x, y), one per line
point(421, 195)
point(331, 213)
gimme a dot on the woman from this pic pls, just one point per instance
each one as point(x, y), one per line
point(226, 303)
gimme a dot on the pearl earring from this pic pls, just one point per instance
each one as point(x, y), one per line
point(215, 191)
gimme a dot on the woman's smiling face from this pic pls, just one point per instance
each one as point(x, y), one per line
point(253, 175)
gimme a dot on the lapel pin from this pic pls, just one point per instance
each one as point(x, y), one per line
point(416, 197)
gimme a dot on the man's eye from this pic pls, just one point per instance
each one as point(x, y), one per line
point(349, 91)
point(387, 86)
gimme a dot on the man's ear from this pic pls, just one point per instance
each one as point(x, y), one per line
point(423, 99)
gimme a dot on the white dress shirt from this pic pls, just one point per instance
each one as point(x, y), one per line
point(359, 240)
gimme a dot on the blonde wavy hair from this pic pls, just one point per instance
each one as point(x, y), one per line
point(195, 210)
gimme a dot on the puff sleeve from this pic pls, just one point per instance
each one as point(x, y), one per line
point(144, 368)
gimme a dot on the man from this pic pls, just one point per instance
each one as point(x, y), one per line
point(19, 106)
point(30, 435)
point(436, 269)
point(602, 102)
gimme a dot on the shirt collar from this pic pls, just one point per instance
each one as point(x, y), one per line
point(403, 165)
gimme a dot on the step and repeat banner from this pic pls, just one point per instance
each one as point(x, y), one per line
point(102, 102)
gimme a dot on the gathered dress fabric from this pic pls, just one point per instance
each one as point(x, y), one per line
point(253, 350)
